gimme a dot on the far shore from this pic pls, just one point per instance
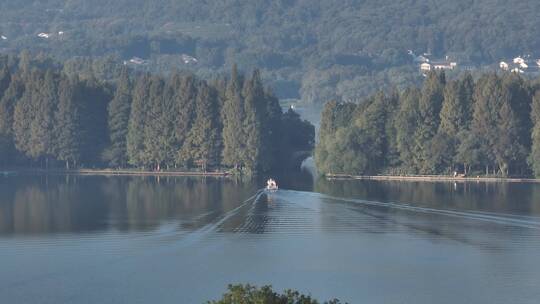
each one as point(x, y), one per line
point(110, 172)
point(430, 178)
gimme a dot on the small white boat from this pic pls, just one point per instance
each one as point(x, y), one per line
point(271, 185)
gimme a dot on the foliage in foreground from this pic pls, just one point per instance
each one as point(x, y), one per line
point(248, 294)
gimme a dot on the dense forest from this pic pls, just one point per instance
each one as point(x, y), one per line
point(313, 50)
point(49, 118)
point(491, 126)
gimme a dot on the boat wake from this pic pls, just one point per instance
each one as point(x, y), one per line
point(496, 218)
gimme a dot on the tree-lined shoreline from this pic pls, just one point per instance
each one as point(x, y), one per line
point(51, 120)
point(488, 127)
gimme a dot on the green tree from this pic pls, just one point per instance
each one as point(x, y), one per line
point(452, 114)
point(137, 121)
point(253, 124)
point(118, 121)
point(44, 102)
point(392, 152)
point(275, 128)
point(24, 113)
point(232, 116)
point(247, 294)
point(470, 151)
point(5, 78)
point(534, 157)
point(406, 123)
point(202, 144)
point(67, 125)
point(159, 139)
point(519, 103)
point(185, 93)
point(372, 122)
point(294, 135)
point(153, 151)
point(490, 99)
point(507, 148)
point(487, 96)
point(8, 98)
point(93, 97)
point(335, 116)
point(429, 108)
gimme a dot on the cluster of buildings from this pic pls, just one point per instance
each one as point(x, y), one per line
point(49, 35)
point(518, 65)
point(186, 59)
point(521, 65)
point(427, 64)
point(136, 61)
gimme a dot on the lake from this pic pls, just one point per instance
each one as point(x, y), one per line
point(96, 239)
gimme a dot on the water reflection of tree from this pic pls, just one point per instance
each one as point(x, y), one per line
point(53, 204)
point(518, 198)
point(45, 204)
point(503, 198)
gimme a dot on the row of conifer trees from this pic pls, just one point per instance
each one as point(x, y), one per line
point(489, 125)
point(179, 121)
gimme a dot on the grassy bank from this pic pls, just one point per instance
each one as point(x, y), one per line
point(121, 172)
point(430, 178)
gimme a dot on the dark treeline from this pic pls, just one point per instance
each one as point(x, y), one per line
point(48, 118)
point(491, 126)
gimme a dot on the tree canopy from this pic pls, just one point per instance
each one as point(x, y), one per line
point(248, 294)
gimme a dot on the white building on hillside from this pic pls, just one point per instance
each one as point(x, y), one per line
point(519, 60)
point(521, 65)
point(188, 59)
point(438, 66)
point(136, 61)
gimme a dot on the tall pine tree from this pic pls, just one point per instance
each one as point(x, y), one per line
point(118, 121)
point(10, 92)
point(534, 157)
point(232, 116)
point(253, 124)
point(185, 93)
point(202, 144)
point(44, 103)
point(67, 141)
point(429, 108)
point(137, 121)
point(406, 123)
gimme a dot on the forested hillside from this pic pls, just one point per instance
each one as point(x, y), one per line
point(315, 50)
point(491, 126)
point(50, 119)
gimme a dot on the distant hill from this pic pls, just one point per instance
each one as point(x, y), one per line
point(312, 50)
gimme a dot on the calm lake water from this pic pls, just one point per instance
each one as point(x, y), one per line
point(84, 239)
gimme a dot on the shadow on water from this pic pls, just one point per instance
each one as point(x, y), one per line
point(77, 204)
point(40, 204)
point(508, 198)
